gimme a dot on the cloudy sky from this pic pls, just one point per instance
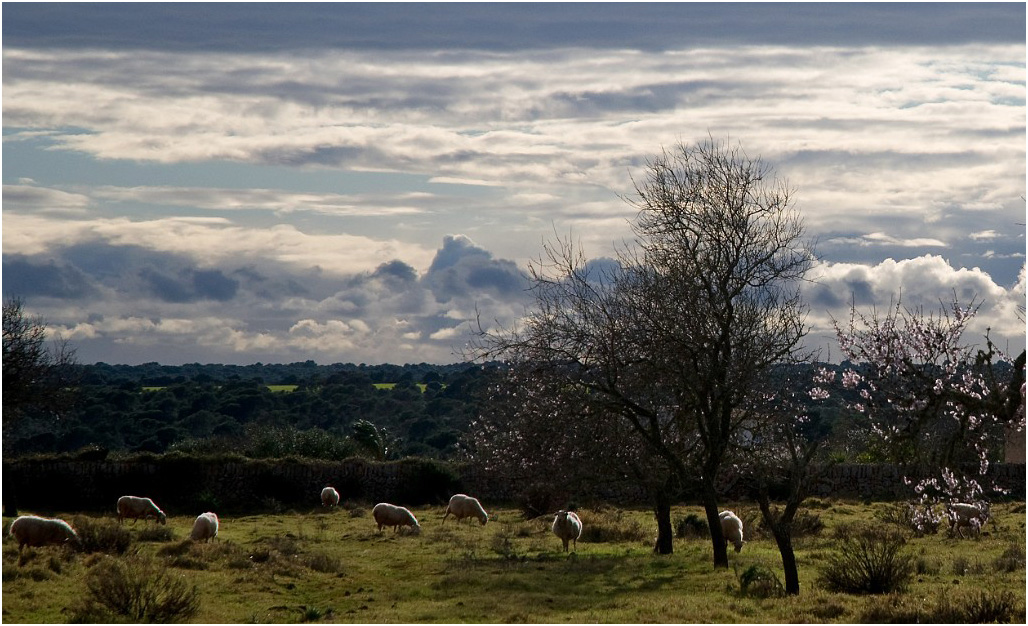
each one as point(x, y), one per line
point(236, 183)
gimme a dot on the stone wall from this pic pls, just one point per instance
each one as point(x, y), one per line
point(183, 485)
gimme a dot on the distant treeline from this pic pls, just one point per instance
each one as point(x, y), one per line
point(330, 412)
point(334, 412)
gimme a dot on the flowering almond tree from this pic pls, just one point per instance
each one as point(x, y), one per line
point(786, 453)
point(936, 404)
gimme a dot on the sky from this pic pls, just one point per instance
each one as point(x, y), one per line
point(241, 183)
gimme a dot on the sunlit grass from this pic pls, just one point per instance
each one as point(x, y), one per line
point(334, 566)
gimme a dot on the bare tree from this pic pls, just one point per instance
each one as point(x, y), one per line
point(36, 373)
point(38, 376)
point(676, 336)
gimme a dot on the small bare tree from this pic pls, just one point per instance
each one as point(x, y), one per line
point(36, 373)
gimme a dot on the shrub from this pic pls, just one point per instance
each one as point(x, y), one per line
point(1012, 559)
point(921, 518)
point(691, 526)
point(539, 499)
point(894, 609)
point(963, 566)
point(925, 566)
point(978, 607)
point(136, 589)
point(428, 481)
point(105, 536)
point(807, 524)
point(156, 534)
point(869, 560)
point(760, 582)
point(610, 527)
point(323, 562)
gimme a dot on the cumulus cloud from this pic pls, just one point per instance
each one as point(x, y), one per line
point(116, 301)
point(926, 283)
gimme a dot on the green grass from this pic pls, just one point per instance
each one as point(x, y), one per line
point(387, 386)
point(334, 566)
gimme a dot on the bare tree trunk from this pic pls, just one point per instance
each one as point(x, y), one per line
point(665, 532)
point(792, 576)
point(781, 529)
point(717, 538)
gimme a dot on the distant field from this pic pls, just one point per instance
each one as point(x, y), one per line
point(334, 566)
point(421, 386)
point(289, 388)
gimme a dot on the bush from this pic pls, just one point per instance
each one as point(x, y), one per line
point(539, 499)
point(691, 526)
point(807, 524)
point(105, 536)
point(609, 527)
point(894, 609)
point(869, 560)
point(760, 582)
point(136, 589)
point(323, 562)
point(1012, 559)
point(156, 534)
point(978, 607)
point(428, 482)
point(921, 518)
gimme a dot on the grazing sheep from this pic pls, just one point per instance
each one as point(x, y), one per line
point(30, 530)
point(391, 515)
point(138, 508)
point(568, 527)
point(962, 515)
point(462, 506)
point(205, 528)
point(731, 528)
point(329, 496)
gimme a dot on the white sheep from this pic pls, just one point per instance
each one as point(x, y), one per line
point(731, 528)
point(205, 528)
point(391, 515)
point(962, 515)
point(329, 496)
point(462, 506)
point(138, 508)
point(568, 527)
point(30, 530)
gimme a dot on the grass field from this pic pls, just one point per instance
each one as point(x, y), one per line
point(334, 566)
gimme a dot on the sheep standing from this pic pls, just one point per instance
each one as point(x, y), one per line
point(391, 515)
point(962, 515)
point(138, 508)
point(205, 528)
point(32, 531)
point(329, 496)
point(731, 528)
point(568, 527)
point(462, 506)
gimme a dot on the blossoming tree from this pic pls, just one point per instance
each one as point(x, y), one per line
point(937, 404)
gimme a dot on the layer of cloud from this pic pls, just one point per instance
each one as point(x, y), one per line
point(505, 27)
point(118, 302)
point(901, 133)
point(912, 138)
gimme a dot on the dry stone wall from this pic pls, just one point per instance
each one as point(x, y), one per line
point(184, 485)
